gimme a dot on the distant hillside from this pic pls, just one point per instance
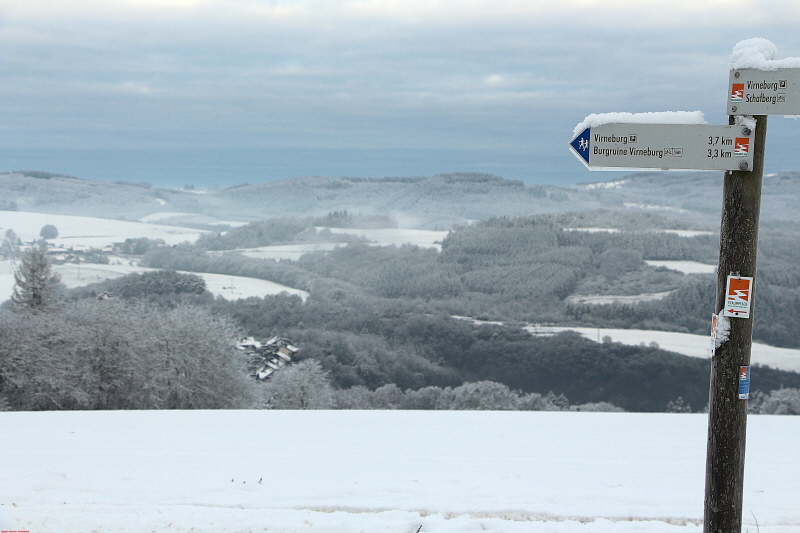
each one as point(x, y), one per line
point(691, 200)
point(696, 196)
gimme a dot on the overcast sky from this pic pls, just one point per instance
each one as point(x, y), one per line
point(222, 92)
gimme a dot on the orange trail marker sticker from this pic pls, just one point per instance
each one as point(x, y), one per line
point(738, 295)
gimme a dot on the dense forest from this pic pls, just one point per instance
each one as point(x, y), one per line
point(523, 269)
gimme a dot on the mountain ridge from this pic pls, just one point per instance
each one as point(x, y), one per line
point(422, 202)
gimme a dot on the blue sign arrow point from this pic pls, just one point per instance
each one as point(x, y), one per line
point(580, 144)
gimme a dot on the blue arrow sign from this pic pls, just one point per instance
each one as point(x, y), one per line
point(663, 146)
point(580, 144)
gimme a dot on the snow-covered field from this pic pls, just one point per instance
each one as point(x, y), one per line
point(72, 275)
point(683, 343)
point(178, 218)
point(397, 236)
point(687, 267)
point(89, 231)
point(610, 299)
point(380, 471)
point(689, 232)
point(679, 232)
point(285, 251)
point(594, 230)
point(229, 287)
point(99, 232)
point(376, 237)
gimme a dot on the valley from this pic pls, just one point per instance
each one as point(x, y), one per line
point(378, 286)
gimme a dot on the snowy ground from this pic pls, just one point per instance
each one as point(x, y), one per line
point(178, 218)
point(89, 231)
point(683, 343)
point(376, 471)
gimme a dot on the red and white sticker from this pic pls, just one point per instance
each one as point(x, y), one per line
point(737, 92)
point(738, 296)
point(742, 147)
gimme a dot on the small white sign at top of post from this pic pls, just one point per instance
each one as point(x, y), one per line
point(757, 92)
point(759, 84)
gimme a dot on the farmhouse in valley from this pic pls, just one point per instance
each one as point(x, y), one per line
point(268, 357)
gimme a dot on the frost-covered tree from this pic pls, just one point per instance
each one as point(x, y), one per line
point(778, 402)
point(485, 395)
point(616, 261)
point(35, 285)
point(303, 385)
point(9, 248)
point(111, 354)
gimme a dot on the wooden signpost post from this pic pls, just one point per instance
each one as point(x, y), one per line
point(765, 87)
point(759, 93)
point(727, 413)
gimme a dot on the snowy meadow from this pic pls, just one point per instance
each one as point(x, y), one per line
point(393, 471)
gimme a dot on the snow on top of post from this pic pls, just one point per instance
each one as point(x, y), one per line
point(660, 117)
point(746, 121)
point(759, 54)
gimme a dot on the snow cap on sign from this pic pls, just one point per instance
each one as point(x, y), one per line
point(759, 54)
point(661, 117)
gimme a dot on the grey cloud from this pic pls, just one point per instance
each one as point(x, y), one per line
point(508, 77)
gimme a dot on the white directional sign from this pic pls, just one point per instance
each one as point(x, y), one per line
point(764, 92)
point(618, 146)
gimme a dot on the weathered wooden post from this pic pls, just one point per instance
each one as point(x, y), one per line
point(727, 418)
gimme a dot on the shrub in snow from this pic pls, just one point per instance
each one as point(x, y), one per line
point(597, 407)
point(48, 231)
